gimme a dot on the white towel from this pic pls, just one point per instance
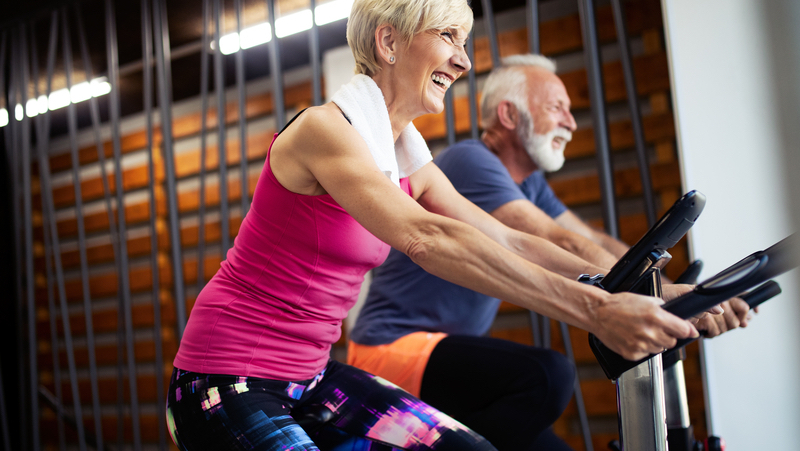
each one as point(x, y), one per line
point(362, 102)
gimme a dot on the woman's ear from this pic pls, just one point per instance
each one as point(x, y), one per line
point(507, 114)
point(386, 43)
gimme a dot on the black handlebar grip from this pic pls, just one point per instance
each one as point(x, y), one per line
point(754, 298)
point(691, 273)
point(749, 272)
point(761, 294)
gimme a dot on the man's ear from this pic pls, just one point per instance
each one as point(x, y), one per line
point(386, 42)
point(507, 115)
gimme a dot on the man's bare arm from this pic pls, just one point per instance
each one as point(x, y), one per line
point(572, 222)
point(525, 216)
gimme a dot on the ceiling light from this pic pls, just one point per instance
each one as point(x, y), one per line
point(32, 108)
point(293, 23)
point(333, 11)
point(58, 99)
point(284, 26)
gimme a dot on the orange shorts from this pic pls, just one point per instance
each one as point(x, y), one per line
point(401, 362)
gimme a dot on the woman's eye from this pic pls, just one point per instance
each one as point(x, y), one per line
point(448, 35)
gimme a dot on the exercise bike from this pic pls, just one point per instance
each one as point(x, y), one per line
point(651, 392)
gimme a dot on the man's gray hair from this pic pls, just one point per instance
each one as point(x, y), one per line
point(509, 83)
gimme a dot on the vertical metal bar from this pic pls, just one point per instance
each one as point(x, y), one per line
point(584, 419)
point(449, 113)
point(316, 70)
point(201, 213)
point(533, 26)
point(275, 69)
point(53, 313)
point(491, 31)
point(147, 74)
point(4, 415)
point(473, 87)
point(113, 79)
point(16, 94)
point(43, 129)
point(73, 125)
point(3, 411)
point(591, 52)
point(23, 411)
point(240, 87)
point(636, 114)
point(219, 85)
point(112, 223)
point(26, 184)
point(72, 121)
point(163, 69)
point(546, 335)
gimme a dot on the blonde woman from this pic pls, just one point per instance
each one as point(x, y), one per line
point(341, 183)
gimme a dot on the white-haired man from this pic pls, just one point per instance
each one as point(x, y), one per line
point(428, 335)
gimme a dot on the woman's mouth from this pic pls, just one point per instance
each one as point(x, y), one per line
point(441, 80)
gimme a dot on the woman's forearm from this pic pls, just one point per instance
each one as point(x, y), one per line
point(463, 255)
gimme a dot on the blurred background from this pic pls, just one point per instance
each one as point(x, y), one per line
point(119, 199)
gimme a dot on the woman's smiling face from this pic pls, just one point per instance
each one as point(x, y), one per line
point(429, 65)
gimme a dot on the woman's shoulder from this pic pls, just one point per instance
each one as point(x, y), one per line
point(317, 119)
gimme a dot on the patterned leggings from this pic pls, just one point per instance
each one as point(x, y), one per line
point(369, 414)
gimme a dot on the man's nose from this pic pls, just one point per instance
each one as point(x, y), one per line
point(568, 121)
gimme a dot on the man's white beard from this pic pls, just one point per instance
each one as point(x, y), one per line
point(540, 147)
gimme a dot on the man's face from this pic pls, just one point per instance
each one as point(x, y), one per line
point(547, 128)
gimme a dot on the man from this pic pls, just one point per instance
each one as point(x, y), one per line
point(426, 334)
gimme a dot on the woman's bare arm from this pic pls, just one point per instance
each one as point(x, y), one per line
point(321, 153)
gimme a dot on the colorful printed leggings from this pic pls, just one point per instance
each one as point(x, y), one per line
point(369, 414)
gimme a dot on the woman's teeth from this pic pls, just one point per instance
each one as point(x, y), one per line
point(441, 80)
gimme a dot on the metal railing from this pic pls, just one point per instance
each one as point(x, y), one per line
point(19, 53)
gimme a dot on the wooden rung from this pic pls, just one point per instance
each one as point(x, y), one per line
point(106, 354)
point(92, 188)
point(651, 76)
point(98, 221)
point(572, 191)
point(148, 425)
point(256, 105)
point(564, 34)
point(656, 128)
point(106, 321)
point(557, 36)
point(104, 253)
point(599, 397)
point(105, 285)
point(583, 190)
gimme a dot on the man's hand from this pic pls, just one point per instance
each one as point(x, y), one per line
point(736, 314)
point(636, 326)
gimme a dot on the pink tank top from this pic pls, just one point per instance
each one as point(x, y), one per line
point(276, 305)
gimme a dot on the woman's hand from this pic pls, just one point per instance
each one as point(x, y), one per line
point(636, 326)
point(736, 314)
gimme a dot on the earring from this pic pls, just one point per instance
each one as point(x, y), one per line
point(391, 59)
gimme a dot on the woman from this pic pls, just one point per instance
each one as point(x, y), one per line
point(341, 183)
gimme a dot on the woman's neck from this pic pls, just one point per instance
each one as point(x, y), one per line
point(399, 113)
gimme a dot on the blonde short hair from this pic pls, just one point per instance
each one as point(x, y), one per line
point(508, 82)
point(408, 17)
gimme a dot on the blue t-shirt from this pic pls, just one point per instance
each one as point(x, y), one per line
point(403, 298)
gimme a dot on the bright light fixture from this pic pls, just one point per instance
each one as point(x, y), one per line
point(58, 99)
point(293, 23)
point(284, 26)
point(256, 35)
point(31, 108)
point(333, 11)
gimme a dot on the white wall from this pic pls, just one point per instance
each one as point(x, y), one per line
point(732, 151)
